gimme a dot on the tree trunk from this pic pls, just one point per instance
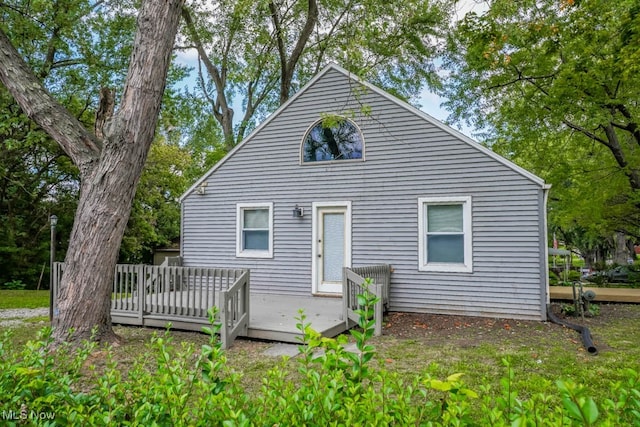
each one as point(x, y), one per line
point(109, 169)
point(288, 66)
point(620, 255)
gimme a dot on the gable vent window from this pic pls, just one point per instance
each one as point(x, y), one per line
point(445, 234)
point(332, 139)
point(254, 230)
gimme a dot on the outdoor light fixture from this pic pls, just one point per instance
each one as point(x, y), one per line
point(201, 190)
point(54, 221)
point(298, 212)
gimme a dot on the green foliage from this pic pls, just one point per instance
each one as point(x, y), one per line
point(594, 309)
point(551, 83)
point(599, 280)
point(553, 278)
point(568, 309)
point(14, 285)
point(178, 386)
point(155, 215)
point(37, 179)
point(32, 384)
point(574, 276)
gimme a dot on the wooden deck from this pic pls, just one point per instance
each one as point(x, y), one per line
point(158, 295)
point(272, 317)
point(602, 294)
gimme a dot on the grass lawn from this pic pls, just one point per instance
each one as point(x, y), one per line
point(23, 299)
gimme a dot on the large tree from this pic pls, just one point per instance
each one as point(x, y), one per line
point(36, 178)
point(555, 85)
point(262, 51)
point(110, 163)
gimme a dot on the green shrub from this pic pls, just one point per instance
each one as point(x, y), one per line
point(574, 276)
point(14, 285)
point(599, 280)
point(179, 386)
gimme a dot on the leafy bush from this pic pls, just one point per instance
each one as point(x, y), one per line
point(14, 285)
point(569, 309)
point(170, 385)
point(599, 280)
point(574, 276)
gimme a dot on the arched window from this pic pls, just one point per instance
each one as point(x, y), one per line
point(332, 139)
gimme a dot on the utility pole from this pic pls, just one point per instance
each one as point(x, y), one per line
point(54, 221)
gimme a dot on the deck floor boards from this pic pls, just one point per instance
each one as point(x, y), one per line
point(271, 317)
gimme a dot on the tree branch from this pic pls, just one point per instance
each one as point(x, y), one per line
point(80, 145)
point(618, 154)
point(278, 34)
point(226, 113)
point(105, 110)
point(332, 30)
point(253, 105)
point(307, 30)
point(584, 131)
point(632, 126)
point(287, 66)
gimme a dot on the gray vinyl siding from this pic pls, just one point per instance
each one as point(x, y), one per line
point(407, 157)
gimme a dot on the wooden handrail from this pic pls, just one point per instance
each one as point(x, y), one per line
point(353, 285)
point(167, 293)
point(234, 309)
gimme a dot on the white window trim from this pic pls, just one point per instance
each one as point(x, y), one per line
point(467, 266)
point(324, 162)
point(240, 253)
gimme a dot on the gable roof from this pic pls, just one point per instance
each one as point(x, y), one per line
point(421, 114)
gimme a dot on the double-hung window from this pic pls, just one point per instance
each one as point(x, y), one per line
point(445, 234)
point(254, 230)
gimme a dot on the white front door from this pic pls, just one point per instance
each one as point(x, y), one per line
point(332, 245)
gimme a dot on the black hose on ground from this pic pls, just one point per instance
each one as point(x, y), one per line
point(584, 331)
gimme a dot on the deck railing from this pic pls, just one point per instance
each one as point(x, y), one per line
point(155, 295)
point(380, 274)
point(234, 308)
point(353, 284)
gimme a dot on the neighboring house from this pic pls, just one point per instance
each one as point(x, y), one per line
point(373, 180)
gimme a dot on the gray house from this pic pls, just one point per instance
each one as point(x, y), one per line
point(345, 174)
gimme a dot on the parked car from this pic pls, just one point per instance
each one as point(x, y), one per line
point(620, 274)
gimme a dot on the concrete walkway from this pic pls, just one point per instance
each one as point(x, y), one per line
point(292, 350)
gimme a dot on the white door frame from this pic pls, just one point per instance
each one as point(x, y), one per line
point(317, 208)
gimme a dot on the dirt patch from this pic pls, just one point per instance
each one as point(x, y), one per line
point(467, 331)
